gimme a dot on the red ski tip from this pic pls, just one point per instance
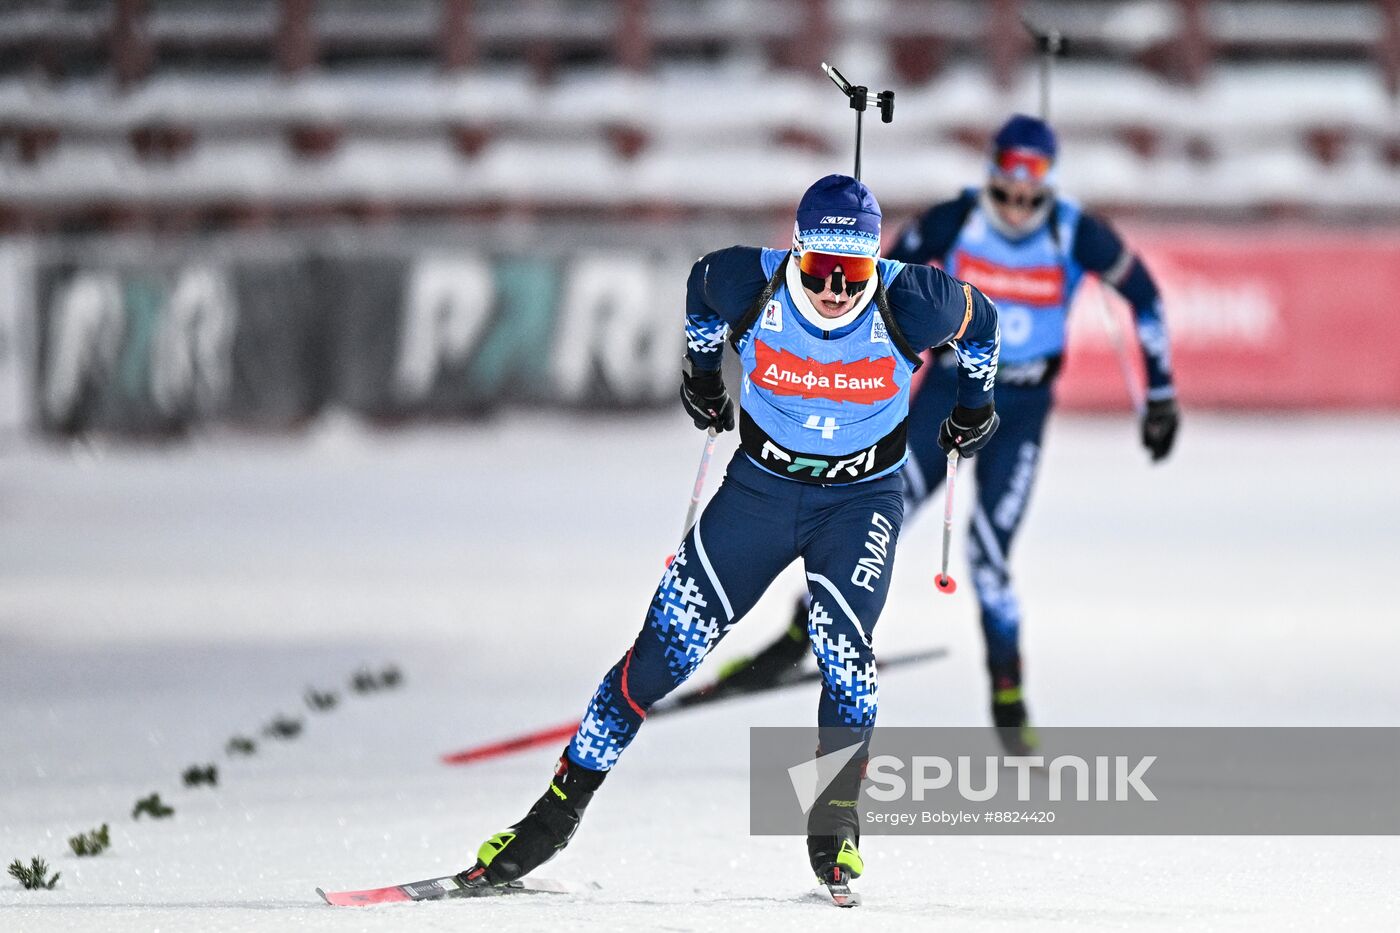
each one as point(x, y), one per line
point(669, 558)
point(519, 743)
point(391, 895)
point(945, 584)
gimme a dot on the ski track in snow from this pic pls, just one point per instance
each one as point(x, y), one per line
point(155, 601)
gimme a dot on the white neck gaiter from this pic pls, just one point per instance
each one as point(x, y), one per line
point(808, 310)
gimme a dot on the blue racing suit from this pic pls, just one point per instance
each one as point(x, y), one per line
point(1032, 279)
point(823, 440)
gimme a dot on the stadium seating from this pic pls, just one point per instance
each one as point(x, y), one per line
point(1166, 107)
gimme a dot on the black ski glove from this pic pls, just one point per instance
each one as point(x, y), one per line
point(705, 398)
point(968, 429)
point(1159, 426)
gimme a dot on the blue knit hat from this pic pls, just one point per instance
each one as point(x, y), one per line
point(1024, 149)
point(1023, 132)
point(838, 215)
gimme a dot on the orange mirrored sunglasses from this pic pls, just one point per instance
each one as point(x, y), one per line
point(856, 269)
point(1023, 164)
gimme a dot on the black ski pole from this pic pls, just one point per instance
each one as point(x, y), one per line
point(1050, 46)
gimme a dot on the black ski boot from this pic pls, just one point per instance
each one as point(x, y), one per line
point(833, 827)
point(775, 664)
point(1009, 713)
point(542, 834)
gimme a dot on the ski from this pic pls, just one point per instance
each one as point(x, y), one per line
point(434, 889)
point(711, 693)
point(841, 894)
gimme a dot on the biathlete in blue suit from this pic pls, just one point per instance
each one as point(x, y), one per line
point(828, 338)
point(1027, 249)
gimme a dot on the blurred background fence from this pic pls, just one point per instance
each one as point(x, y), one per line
point(253, 211)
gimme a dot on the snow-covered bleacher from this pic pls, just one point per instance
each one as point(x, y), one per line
point(1295, 113)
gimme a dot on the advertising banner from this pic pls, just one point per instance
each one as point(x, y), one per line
point(155, 346)
point(1258, 320)
point(269, 333)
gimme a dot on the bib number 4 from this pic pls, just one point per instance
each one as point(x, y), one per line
point(828, 427)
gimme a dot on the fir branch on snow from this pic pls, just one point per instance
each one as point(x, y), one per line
point(33, 877)
point(321, 701)
point(367, 681)
point(241, 745)
point(283, 727)
point(92, 842)
point(153, 807)
point(195, 775)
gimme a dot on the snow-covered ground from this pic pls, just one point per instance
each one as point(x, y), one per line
point(154, 602)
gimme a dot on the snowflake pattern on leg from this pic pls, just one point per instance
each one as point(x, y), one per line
point(847, 665)
point(605, 730)
point(678, 619)
point(686, 632)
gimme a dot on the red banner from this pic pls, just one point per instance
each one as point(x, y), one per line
point(863, 382)
point(1037, 285)
point(1295, 318)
